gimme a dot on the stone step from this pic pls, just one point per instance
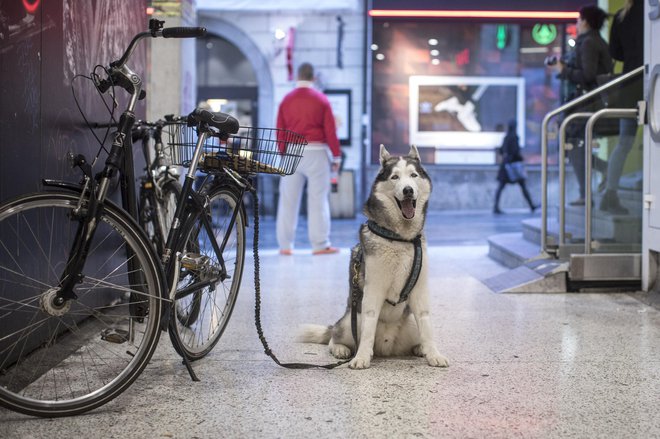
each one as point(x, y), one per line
point(511, 249)
point(623, 229)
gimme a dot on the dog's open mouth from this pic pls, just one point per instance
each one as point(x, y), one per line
point(407, 206)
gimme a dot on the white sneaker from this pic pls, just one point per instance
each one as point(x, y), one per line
point(450, 105)
point(468, 117)
point(463, 112)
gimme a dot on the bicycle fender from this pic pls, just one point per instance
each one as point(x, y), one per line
point(60, 184)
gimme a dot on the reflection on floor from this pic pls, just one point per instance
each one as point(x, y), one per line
point(523, 365)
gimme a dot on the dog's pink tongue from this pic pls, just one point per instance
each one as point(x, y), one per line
point(407, 209)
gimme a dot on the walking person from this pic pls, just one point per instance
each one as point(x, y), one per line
point(307, 111)
point(591, 58)
point(627, 45)
point(510, 151)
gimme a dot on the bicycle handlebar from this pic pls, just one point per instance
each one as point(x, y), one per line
point(169, 119)
point(170, 32)
point(122, 76)
point(183, 32)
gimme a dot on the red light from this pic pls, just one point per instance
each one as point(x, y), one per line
point(463, 57)
point(150, 10)
point(540, 15)
point(31, 8)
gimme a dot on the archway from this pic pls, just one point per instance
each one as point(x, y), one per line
point(258, 62)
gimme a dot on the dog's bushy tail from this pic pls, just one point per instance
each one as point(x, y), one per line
point(314, 334)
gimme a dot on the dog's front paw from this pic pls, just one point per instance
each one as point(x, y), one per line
point(340, 351)
point(360, 363)
point(436, 360)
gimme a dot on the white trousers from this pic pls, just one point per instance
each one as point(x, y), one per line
point(314, 168)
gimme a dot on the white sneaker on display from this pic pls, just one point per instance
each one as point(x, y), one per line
point(464, 112)
point(468, 117)
point(450, 105)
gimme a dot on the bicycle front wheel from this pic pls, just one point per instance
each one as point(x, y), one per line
point(60, 359)
point(201, 316)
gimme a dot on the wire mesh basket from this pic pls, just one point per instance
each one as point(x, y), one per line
point(250, 151)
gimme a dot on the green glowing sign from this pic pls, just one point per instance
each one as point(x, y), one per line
point(501, 36)
point(544, 34)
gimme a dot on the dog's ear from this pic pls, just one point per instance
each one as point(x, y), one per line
point(413, 152)
point(384, 155)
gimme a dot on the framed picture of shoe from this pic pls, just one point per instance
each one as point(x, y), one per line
point(458, 113)
point(340, 101)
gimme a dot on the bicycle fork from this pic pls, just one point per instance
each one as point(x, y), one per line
point(88, 213)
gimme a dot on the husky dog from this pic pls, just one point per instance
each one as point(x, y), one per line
point(388, 272)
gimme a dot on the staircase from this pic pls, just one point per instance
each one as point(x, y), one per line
point(617, 243)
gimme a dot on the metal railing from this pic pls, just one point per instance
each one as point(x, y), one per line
point(588, 138)
point(593, 117)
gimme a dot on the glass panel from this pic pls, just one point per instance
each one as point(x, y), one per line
point(617, 215)
point(451, 87)
point(616, 181)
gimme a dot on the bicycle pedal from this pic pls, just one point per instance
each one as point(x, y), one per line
point(114, 335)
point(194, 261)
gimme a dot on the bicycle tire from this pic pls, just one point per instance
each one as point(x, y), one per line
point(200, 318)
point(157, 212)
point(61, 361)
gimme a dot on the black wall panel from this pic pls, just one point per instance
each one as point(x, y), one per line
point(43, 46)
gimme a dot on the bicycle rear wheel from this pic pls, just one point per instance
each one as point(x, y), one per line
point(60, 360)
point(201, 317)
point(157, 212)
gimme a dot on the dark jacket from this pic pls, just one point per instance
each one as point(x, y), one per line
point(510, 151)
point(627, 37)
point(592, 58)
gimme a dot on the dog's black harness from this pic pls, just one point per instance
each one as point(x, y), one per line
point(392, 236)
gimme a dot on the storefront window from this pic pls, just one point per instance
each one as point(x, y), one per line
point(451, 87)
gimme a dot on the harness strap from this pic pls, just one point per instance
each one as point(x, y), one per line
point(416, 268)
point(413, 276)
point(386, 233)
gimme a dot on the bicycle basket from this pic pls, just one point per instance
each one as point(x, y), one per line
point(250, 151)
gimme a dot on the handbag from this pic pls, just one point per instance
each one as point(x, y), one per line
point(625, 95)
point(604, 127)
point(515, 171)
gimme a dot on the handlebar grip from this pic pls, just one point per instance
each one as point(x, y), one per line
point(184, 32)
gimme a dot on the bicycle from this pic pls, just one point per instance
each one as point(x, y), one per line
point(101, 284)
point(82, 291)
point(216, 220)
point(159, 185)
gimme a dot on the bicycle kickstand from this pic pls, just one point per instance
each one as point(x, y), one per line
point(191, 371)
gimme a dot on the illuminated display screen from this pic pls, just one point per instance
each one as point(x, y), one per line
point(450, 86)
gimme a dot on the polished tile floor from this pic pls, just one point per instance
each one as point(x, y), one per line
point(524, 365)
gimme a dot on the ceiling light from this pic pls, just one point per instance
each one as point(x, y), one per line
point(539, 15)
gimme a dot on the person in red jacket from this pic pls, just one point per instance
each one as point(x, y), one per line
point(307, 111)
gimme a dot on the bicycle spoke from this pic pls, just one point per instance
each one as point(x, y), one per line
point(61, 358)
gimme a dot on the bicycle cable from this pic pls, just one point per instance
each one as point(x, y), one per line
point(110, 110)
point(257, 305)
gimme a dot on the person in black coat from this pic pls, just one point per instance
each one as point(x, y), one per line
point(510, 151)
point(627, 45)
point(591, 58)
